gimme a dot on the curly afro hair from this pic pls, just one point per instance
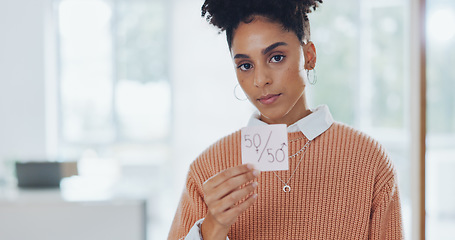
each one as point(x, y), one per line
point(292, 14)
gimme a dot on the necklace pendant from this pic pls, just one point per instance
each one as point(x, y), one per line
point(286, 188)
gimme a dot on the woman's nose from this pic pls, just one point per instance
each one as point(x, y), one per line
point(262, 77)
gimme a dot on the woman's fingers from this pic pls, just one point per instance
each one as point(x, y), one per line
point(228, 173)
point(224, 191)
point(233, 183)
point(227, 181)
point(231, 215)
point(233, 198)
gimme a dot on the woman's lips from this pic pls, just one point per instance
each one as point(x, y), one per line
point(269, 99)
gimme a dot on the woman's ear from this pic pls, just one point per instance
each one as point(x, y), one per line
point(309, 52)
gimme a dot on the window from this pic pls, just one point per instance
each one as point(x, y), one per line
point(115, 103)
point(115, 95)
point(440, 161)
point(363, 76)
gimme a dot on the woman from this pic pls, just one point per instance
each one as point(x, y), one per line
point(340, 183)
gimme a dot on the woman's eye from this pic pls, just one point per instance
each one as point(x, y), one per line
point(277, 58)
point(245, 66)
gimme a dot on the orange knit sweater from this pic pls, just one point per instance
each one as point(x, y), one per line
point(345, 188)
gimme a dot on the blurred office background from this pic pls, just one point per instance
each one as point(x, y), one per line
point(134, 90)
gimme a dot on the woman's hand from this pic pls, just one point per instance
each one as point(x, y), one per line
point(222, 194)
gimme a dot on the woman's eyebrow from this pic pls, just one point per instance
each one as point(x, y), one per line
point(264, 51)
point(241, 56)
point(273, 46)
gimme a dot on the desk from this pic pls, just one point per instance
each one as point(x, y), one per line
point(46, 215)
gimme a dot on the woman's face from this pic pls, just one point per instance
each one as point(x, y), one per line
point(269, 65)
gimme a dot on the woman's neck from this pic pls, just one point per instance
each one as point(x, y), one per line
point(299, 111)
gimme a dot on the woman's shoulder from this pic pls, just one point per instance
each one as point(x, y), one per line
point(357, 143)
point(343, 133)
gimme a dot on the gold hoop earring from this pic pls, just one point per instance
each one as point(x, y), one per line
point(235, 93)
point(312, 75)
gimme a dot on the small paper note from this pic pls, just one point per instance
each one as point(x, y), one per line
point(266, 147)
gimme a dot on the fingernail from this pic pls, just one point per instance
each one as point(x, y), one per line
point(250, 166)
point(256, 172)
point(255, 184)
point(255, 195)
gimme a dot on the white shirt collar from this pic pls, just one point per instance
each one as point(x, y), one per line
point(311, 126)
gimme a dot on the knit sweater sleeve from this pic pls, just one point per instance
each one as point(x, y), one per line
point(191, 207)
point(385, 218)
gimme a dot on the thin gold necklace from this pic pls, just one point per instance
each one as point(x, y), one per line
point(286, 187)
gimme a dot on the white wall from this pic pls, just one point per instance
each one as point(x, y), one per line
point(22, 96)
